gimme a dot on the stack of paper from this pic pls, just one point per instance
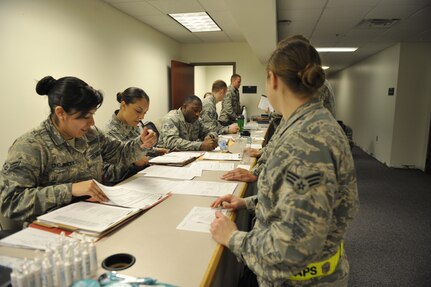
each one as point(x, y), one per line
point(87, 218)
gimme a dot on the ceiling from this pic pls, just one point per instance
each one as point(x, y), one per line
point(261, 23)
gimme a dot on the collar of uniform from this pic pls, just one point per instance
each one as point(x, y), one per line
point(233, 88)
point(211, 98)
point(120, 123)
point(53, 132)
point(314, 104)
point(181, 116)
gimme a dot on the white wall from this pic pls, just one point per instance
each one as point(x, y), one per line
point(85, 38)
point(252, 71)
point(363, 103)
point(201, 86)
point(401, 122)
point(412, 113)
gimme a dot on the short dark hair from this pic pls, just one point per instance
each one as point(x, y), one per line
point(191, 99)
point(71, 93)
point(234, 76)
point(131, 95)
point(218, 85)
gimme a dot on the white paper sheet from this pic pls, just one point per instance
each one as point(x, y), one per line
point(199, 219)
point(244, 166)
point(212, 165)
point(176, 157)
point(173, 172)
point(221, 156)
point(264, 104)
point(204, 188)
point(33, 238)
point(139, 197)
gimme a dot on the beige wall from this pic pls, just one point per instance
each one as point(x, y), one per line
point(252, 71)
point(392, 128)
point(85, 38)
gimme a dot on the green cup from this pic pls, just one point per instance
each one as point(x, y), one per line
point(240, 122)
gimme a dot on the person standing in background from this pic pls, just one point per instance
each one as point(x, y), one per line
point(231, 107)
point(57, 162)
point(326, 96)
point(134, 104)
point(209, 111)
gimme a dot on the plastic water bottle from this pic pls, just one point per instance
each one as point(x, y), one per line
point(244, 113)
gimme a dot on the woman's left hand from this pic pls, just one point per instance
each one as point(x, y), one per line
point(222, 228)
point(148, 138)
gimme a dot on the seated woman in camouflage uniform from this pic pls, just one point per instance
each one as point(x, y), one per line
point(126, 124)
point(307, 192)
point(55, 163)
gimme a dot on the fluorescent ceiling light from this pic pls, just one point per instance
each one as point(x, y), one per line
point(337, 49)
point(196, 22)
point(325, 67)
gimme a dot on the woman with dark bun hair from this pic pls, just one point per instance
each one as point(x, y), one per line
point(124, 126)
point(56, 163)
point(307, 193)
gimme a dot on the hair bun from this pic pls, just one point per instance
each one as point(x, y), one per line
point(312, 77)
point(119, 97)
point(45, 85)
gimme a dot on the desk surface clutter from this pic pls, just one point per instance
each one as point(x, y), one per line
point(161, 216)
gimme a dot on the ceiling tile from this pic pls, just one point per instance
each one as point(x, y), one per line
point(136, 8)
point(300, 4)
point(177, 6)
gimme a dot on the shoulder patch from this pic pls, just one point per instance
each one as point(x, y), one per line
point(302, 184)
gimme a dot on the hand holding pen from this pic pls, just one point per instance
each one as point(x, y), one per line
point(148, 138)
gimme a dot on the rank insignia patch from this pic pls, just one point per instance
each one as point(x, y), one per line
point(303, 184)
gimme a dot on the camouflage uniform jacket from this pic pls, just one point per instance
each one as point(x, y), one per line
point(209, 116)
point(266, 150)
point(307, 196)
point(177, 134)
point(41, 166)
point(326, 95)
point(122, 132)
point(231, 107)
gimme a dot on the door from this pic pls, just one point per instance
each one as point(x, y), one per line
point(182, 83)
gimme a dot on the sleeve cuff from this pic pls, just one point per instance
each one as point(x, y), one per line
point(235, 243)
point(250, 202)
point(65, 196)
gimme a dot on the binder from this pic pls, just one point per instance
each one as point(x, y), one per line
point(176, 158)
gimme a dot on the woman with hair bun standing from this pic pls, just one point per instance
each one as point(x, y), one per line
point(124, 126)
point(307, 193)
point(55, 163)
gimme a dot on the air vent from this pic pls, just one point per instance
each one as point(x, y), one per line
point(377, 23)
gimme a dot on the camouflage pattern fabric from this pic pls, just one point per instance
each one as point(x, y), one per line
point(326, 95)
point(266, 150)
point(41, 166)
point(307, 197)
point(115, 129)
point(209, 116)
point(177, 134)
point(231, 107)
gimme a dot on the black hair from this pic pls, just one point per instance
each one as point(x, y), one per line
point(72, 94)
point(131, 95)
point(191, 99)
